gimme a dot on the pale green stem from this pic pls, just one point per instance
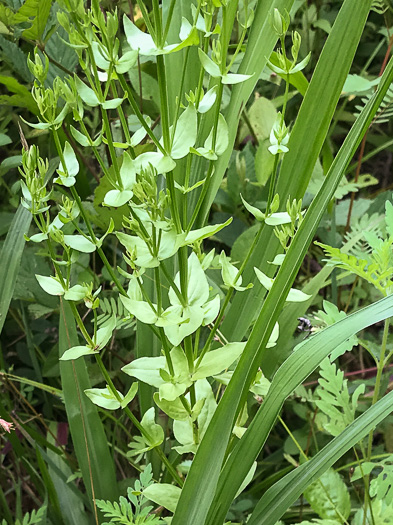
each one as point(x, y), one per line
point(302, 453)
point(87, 222)
point(168, 21)
point(146, 18)
point(127, 89)
point(273, 178)
point(380, 368)
point(173, 284)
point(228, 298)
point(141, 429)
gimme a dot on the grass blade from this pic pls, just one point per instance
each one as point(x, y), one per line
point(314, 117)
point(202, 479)
point(299, 365)
point(10, 257)
point(87, 431)
point(70, 503)
point(278, 498)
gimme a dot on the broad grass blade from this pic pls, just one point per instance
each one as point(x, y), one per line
point(10, 258)
point(71, 504)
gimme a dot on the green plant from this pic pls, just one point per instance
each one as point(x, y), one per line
point(33, 518)
point(146, 227)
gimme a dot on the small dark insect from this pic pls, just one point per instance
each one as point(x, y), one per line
point(304, 325)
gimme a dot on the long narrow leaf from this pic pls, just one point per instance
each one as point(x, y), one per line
point(71, 504)
point(10, 259)
point(306, 141)
point(201, 482)
point(286, 491)
point(291, 374)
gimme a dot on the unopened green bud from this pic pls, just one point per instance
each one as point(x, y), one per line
point(64, 21)
point(275, 204)
point(112, 24)
point(29, 158)
point(241, 167)
point(37, 68)
point(57, 236)
point(296, 40)
point(190, 97)
point(216, 52)
point(281, 22)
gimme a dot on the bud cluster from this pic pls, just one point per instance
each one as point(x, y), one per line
point(284, 66)
point(287, 231)
point(34, 170)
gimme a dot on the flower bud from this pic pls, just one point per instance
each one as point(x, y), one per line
point(281, 22)
point(296, 40)
point(38, 70)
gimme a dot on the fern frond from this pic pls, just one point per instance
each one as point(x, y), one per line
point(380, 6)
point(110, 307)
point(351, 186)
point(355, 243)
point(370, 272)
point(334, 401)
point(381, 487)
point(345, 187)
point(35, 518)
point(385, 111)
point(328, 316)
point(129, 511)
point(117, 513)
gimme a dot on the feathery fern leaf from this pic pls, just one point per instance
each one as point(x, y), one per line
point(377, 266)
point(385, 111)
point(35, 518)
point(361, 267)
point(381, 486)
point(329, 316)
point(131, 510)
point(110, 307)
point(334, 401)
point(354, 239)
point(380, 6)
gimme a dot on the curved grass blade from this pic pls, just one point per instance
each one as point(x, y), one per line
point(201, 482)
point(278, 498)
point(315, 115)
point(10, 257)
point(87, 431)
point(299, 365)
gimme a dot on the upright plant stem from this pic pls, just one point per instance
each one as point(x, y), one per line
point(228, 298)
point(377, 388)
point(75, 195)
point(141, 429)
